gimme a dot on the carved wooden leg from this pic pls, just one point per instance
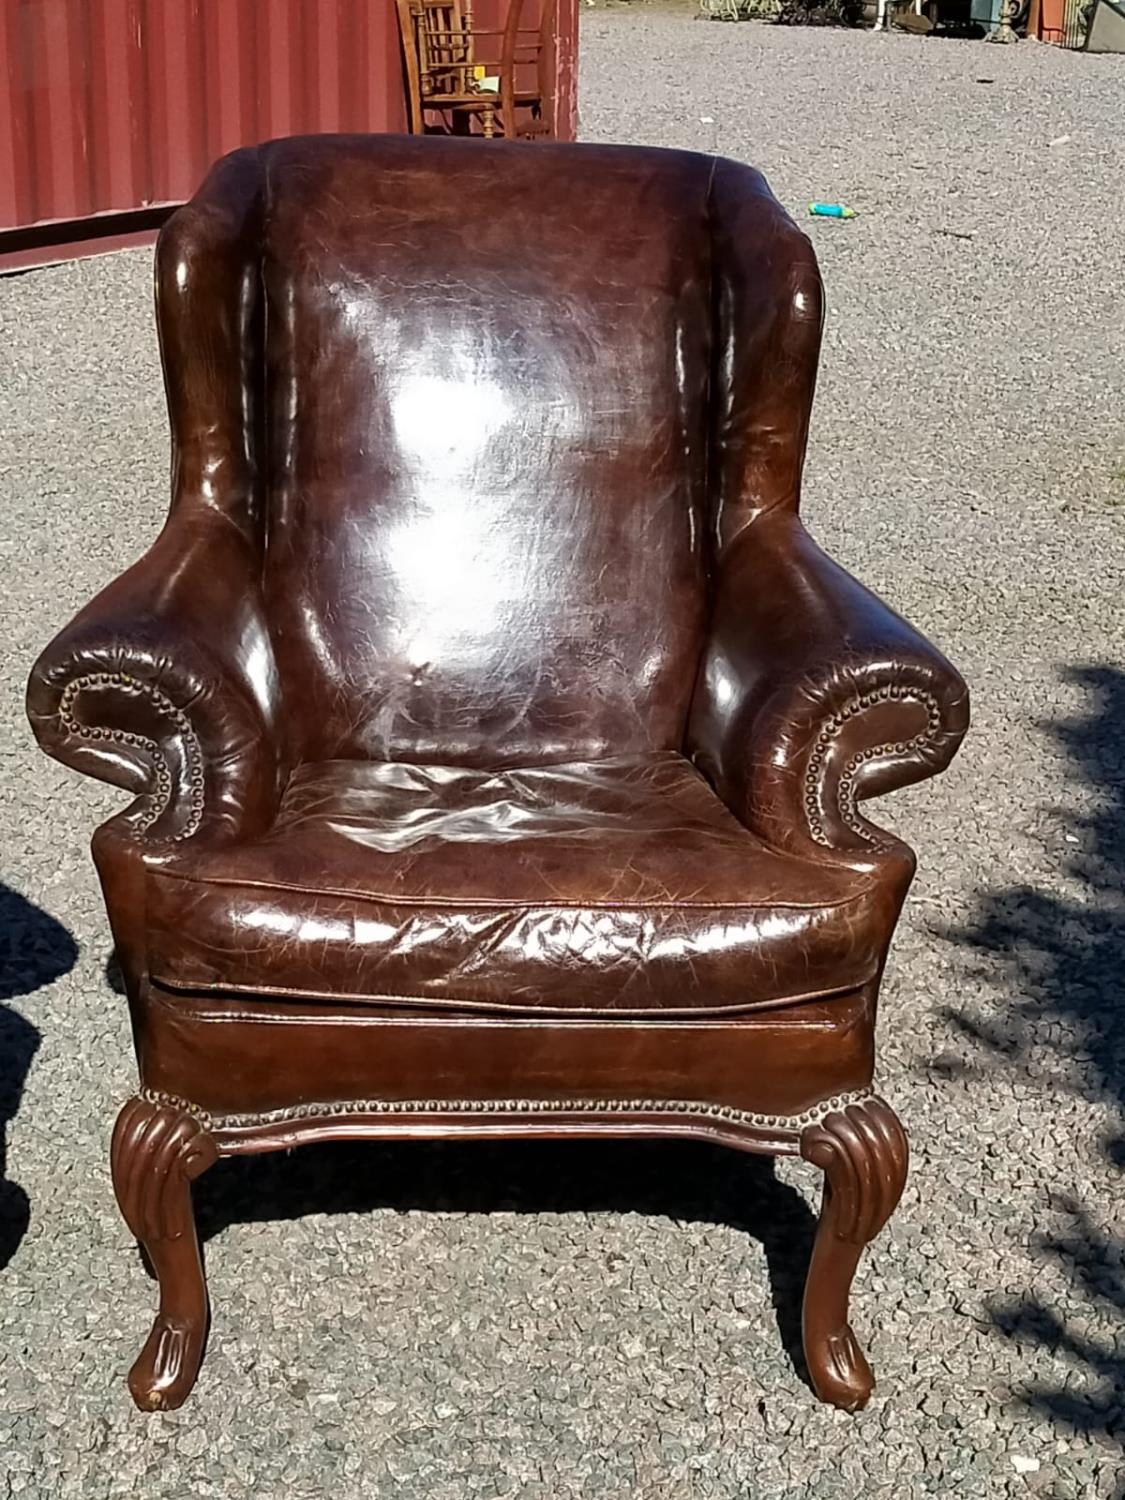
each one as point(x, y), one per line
point(157, 1150)
point(863, 1152)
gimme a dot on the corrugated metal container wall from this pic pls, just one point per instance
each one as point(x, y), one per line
point(114, 106)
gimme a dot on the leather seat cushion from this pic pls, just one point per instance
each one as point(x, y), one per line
point(620, 885)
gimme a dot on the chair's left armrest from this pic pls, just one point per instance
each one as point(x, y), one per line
point(165, 685)
point(814, 695)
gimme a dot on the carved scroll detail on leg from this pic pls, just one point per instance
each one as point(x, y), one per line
point(863, 1152)
point(157, 1151)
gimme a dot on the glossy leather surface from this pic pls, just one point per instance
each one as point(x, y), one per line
point(487, 444)
point(496, 732)
point(490, 460)
point(621, 885)
point(229, 1053)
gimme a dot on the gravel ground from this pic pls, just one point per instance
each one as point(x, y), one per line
point(571, 1321)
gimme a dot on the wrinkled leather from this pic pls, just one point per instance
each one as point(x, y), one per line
point(184, 628)
point(491, 460)
point(623, 885)
point(230, 1053)
point(486, 526)
point(797, 648)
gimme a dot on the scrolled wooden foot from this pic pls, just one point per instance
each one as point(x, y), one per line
point(157, 1151)
point(863, 1152)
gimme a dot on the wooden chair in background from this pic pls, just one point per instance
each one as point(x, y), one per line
point(459, 72)
point(526, 94)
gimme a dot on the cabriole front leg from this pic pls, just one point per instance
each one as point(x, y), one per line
point(158, 1149)
point(863, 1152)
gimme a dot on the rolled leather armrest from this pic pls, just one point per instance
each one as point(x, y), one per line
point(814, 695)
point(165, 685)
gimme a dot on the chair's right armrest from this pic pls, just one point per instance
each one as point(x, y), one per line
point(165, 685)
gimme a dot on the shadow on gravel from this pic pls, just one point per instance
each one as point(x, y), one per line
point(682, 1181)
point(1066, 1010)
point(34, 950)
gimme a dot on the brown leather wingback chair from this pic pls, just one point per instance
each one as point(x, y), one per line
point(497, 733)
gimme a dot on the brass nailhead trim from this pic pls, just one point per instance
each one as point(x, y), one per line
point(173, 1101)
point(846, 797)
point(162, 799)
point(719, 1113)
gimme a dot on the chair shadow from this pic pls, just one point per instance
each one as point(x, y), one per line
point(681, 1180)
point(34, 951)
point(1065, 960)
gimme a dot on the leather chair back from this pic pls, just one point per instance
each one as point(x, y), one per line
point(485, 533)
point(490, 423)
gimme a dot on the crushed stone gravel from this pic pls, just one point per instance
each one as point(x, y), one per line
point(579, 1321)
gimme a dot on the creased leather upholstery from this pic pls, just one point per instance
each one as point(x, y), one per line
point(813, 695)
point(622, 884)
point(486, 525)
point(486, 469)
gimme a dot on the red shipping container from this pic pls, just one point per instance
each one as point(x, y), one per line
point(112, 110)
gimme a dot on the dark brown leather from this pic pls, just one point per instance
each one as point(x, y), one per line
point(502, 440)
point(814, 695)
point(230, 1054)
point(620, 885)
point(490, 461)
point(497, 734)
